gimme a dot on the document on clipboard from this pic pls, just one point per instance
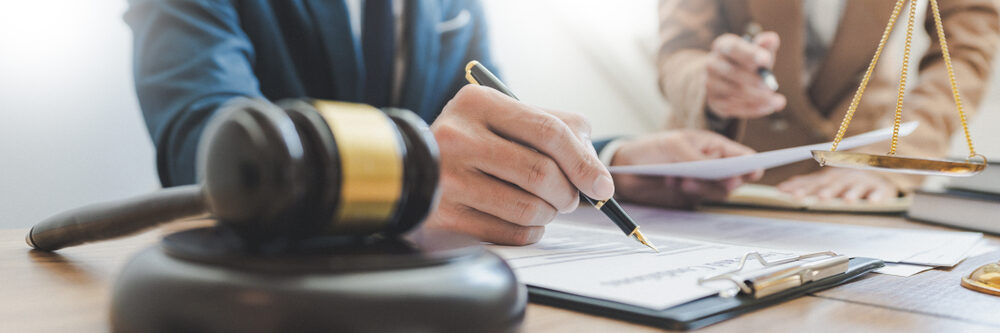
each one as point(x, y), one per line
point(597, 263)
point(689, 284)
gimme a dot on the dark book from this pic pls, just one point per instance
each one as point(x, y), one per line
point(957, 208)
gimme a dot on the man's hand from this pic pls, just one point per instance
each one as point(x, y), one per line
point(508, 168)
point(734, 89)
point(671, 147)
point(848, 184)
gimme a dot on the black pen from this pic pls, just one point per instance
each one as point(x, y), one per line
point(475, 73)
point(765, 74)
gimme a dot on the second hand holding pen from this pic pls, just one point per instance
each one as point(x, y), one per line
point(475, 73)
point(765, 74)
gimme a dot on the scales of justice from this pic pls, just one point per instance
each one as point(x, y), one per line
point(984, 279)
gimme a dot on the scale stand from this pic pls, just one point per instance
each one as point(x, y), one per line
point(974, 164)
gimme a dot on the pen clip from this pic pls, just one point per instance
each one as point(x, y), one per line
point(779, 275)
point(468, 72)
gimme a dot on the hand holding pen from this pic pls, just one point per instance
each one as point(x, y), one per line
point(477, 74)
point(739, 82)
point(508, 168)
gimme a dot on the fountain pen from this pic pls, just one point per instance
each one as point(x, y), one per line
point(476, 73)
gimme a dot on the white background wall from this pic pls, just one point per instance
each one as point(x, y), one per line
point(70, 128)
point(71, 132)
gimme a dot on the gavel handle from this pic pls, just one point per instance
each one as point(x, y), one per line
point(117, 218)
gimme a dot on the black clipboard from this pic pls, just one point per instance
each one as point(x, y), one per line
point(701, 312)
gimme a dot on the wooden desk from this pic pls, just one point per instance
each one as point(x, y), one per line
point(70, 291)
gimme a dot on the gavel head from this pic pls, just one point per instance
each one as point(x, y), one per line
point(312, 167)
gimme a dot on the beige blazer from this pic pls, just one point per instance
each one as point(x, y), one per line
point(815, 109)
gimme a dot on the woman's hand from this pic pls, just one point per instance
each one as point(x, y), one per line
point(672, 147)
point(848, 184)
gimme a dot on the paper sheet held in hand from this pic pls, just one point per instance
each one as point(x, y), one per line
point(735, 166)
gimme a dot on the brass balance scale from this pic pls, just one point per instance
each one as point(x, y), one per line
point(985, 279)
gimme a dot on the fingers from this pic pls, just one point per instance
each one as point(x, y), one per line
point(732, 183)
point(849, 185)
point(548, 134)
point(723, 147)
point(734, 87)
point(483, 226)
point(721, 69)
point(722, 144)
point(857, 192)
point(679, 149)
point(579, 125)
point(530, 170)
point(754, 176)
point(802, 186)
point(720, 66)
point(742, 53)
point(507, 168)
point(742, 109)
point(714, 145)
point(770, 41)
point(502, 200)
point(732, 92)
point(671, 147)
point(833, 188)
point(883, 193)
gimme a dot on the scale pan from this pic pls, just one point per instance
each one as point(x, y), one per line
point(985, 279)
point(898, 164)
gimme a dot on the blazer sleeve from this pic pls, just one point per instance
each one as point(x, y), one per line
point(478, 47)
point(190, 57)
point(687, 30)
point(972, 30)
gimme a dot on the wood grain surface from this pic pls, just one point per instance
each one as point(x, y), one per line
point(70, 291)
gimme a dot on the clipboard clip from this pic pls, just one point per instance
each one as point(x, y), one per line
point(779, 275)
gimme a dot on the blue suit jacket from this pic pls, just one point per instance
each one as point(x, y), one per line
point(193, 56)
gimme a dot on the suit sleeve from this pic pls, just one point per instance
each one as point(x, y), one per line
point(190, 57)
point(478, 47)
point(687, 30)
point(972, 31)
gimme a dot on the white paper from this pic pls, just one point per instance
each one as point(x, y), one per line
point(903, 270)
point(602, 263)
point(735, 166)
point(983, 247)
point(919, 247)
